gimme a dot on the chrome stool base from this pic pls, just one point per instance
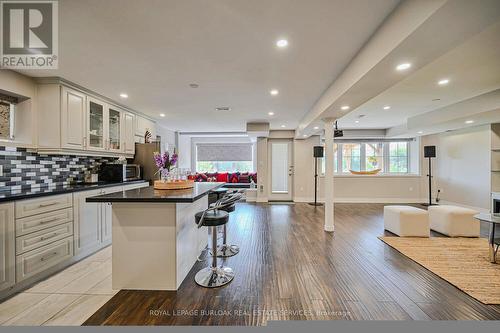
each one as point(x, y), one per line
point(225, 250)
point(211, 277)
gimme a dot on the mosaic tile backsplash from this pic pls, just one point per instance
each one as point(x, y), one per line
point(24, 170)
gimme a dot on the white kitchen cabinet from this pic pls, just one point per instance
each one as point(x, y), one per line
point(87, 219)
point(73, 120)
point(114, 133)
point(73, 116)
point(7, 244)
point(128, 133)
point(104, 126)
point(107, 217)
point(93, 221)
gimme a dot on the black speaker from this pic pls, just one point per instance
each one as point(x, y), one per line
point(429, 151)
point(318, 151)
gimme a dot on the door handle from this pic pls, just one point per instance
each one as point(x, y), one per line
point(46, 204)
point(49, 220)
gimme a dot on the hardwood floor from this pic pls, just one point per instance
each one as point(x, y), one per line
point(288, 268)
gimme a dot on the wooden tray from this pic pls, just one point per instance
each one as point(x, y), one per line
point(175, 185)
point(372, 172)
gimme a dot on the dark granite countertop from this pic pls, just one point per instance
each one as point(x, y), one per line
point(6, 196)
point(149, 194)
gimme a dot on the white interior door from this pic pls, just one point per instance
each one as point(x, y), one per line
point(281, 170)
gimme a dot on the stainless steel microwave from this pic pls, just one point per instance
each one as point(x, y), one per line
point(119, 172)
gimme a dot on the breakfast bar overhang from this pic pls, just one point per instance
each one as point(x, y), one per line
point(155, 238)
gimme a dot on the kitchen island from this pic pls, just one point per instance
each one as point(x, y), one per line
point(155, 239)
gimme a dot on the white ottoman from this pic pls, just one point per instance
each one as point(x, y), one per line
point(454, 221)
point(406, 221)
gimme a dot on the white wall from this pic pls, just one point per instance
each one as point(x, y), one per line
point(167, 137)
point(462, 166)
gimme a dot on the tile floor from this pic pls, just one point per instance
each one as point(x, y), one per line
point(66, 298)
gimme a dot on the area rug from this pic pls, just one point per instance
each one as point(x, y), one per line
point(463, 262)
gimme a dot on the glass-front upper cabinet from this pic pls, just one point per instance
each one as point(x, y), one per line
point(96, 116)
point(114, 126)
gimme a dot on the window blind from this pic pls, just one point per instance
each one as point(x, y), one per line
point(224, 152)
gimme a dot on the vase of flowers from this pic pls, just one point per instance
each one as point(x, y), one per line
point(165, 163)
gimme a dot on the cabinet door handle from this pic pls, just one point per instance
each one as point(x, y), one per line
point(48, 256)
point(49, 237)
point(46, 204)
point(84, 141)
point(48, 220)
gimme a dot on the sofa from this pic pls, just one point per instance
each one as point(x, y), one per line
point(231, 179)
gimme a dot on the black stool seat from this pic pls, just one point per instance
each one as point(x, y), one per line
point(219, 190)
point(229, 209)
point(213, 218)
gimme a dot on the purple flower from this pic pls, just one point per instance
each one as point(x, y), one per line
point(165, 161)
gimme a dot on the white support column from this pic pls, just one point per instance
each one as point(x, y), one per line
point(329, 167)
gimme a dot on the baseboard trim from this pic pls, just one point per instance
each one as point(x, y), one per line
point(479, 209)
point(363, 200)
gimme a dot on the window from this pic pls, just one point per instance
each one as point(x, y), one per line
point(224, 157)
point(374, 156)
point(389, 157)
point(351, 157)
point(398, 157)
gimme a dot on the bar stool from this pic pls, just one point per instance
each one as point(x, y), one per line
point(228, 205)
point(221, 191)
point(213, 276)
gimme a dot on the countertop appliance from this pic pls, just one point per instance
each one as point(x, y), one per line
point(144, 157)
point(119, 172)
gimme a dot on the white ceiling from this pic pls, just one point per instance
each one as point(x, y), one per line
point(453, 39)
point(154, 49)
point(473, 68)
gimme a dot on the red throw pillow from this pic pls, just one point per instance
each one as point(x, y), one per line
point(222, 177)
point(234, 178)
point(201, 177)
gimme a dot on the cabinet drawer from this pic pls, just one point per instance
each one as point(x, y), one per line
point(36, 261)
point(40, 238)
point(32, 207)
point(39, 222)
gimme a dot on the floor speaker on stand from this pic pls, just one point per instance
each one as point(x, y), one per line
point(430, 152)
point(317, 153)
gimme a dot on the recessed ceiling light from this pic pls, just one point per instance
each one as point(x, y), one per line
point(357, 121)
point(283, 126)
point(387, 107)
point(271, 113)
point(194, 85)
point(420, 132)
point(274, 92)
point(443, 82)
point(162, 115)
point(469, 121)
point(123, 95)
point(403, 66)
point(304, 135)
point(282, 43)
point(316, 127)
point(345, 107)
